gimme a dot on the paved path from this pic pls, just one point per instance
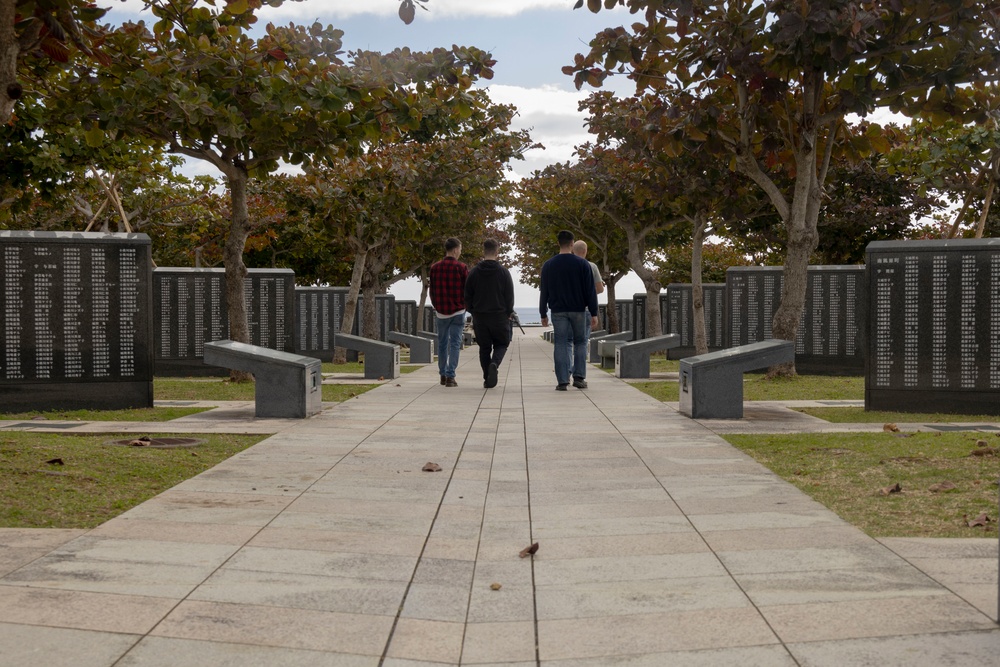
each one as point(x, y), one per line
point(326, 544)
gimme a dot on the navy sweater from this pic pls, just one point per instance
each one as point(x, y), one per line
point(567, 286)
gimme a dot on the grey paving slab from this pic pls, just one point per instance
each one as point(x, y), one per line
point(325, 544)
point(31, 646)
point(957, 649)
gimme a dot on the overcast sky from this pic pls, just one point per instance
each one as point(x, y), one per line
point(531, 41)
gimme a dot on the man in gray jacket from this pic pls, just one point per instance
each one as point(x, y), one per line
point(489, 297)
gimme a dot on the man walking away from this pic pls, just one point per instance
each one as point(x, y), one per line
point(580, 250)
point(489, 296)
point(568, 290)
point(447, 289)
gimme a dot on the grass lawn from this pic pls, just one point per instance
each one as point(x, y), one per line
point(759, 388)
point(137, 415)
point(845, 472)
point(97, 480)
point(848, 415)
point(216, 389)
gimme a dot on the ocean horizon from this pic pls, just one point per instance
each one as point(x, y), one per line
point(528, 315)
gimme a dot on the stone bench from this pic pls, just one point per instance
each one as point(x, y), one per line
point(632, 357)
point(286, 385)
point(381, 359)
point(595, 339)
point(711, 385)
point(607, 348)
point(421, 348)
point(548, 336)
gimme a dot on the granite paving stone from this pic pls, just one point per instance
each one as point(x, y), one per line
point(325, 544)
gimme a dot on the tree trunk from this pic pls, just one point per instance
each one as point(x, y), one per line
point(612, 310)
point(351, 306)
point(697, 295)
point(236, 270)
point(636, 257)
point(9, 49)
point(369, 312)
point(424, 287)
point(987, 200)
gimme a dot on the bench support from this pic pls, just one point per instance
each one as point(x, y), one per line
point(711, 385)
point(286, 386)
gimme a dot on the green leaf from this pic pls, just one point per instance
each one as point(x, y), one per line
point(94, 137)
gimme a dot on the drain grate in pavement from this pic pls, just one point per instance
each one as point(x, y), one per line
point(158, 443)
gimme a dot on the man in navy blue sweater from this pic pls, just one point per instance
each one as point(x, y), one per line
point(568, 291)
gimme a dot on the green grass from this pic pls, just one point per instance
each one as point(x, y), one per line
point(138, 415)
point(848, 415)
point(760, 388)
point(845, 471)
point(215, 389)
point(97, 481)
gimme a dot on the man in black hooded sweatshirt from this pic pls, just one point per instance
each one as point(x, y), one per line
point(489, 297)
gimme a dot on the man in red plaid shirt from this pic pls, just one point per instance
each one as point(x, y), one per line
point(448, 298)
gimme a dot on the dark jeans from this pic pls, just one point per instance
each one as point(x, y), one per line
point(492, 336)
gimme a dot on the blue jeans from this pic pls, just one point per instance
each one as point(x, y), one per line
point(570, 348)
point(569, 333)
point(449, 331)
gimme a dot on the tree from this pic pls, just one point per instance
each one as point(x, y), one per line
point(769, 85)
point(395, 204)
point(201, 85)
point(559, 197)
point(959, 162)
point(39, 35)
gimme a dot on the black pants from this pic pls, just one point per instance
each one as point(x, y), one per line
point(492, 336)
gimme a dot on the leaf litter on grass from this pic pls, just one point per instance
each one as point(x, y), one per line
point(845, 471)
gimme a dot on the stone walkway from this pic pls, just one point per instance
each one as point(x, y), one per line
point(659, 544)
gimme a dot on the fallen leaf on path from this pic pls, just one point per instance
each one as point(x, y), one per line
point(942, 486)
point(886, 490)
point(529, 551)
point(431, 467)
point(495, 586)
point(890, 428)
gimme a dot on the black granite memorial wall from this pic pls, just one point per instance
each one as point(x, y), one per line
point(406, 317)
point(190, 308)
point(830, 335)
point(318, 311)
point(430, 319)
point(624, 310)
point(602, 316)
point(677, 316)
point(639, 316)
point(934, 338)
point(76, 325)
point(385, 314)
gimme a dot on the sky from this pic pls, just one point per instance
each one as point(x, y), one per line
point(531, 40)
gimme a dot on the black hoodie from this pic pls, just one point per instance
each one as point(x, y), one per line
point(489, 289)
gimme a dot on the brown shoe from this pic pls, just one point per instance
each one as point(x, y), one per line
point(450, 382)
point(443, 379)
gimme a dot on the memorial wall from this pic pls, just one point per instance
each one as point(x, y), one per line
point(406, 317)
point(318, 313)
point(190, 307)
point(75, 324)
point(934, 341)
point(677, 316)
point(639, 316)
point(831, 329)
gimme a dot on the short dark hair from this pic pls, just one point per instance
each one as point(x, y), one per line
point(565, 238)
point(451, 244)
point(490, 246)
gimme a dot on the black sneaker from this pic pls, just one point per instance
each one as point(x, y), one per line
point(562, 387)
point(579, 383)
point(443, 379)
point(491, 376)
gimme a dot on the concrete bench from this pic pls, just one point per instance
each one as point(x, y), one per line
point(286, 385)
point(548, 335)
point(597, 336)
point(429, 335)
point(632, 358)
point(421, 348)
point(711, 385)
point(381, 359)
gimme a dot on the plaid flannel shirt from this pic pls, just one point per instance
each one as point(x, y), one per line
point(448, 285)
